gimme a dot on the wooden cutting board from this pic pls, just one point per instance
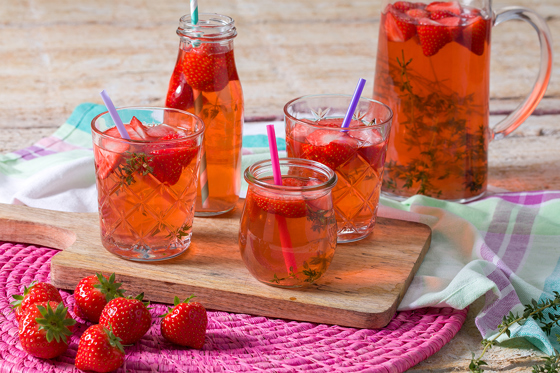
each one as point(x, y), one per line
point(362, 288)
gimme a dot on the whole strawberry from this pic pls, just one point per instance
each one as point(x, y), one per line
point(99, 350)
point(92, 294)
point(185, 324)
point(208, 67)
point(129, 318)
point(43, 329)
point(35, 293)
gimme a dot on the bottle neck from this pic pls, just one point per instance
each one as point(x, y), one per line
point(211, 28)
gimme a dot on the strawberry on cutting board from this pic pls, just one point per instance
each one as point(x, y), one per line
point(208, 67)
point(35, 293)
point(92, 294)
point(99, 350)
point(185, 324)
point(44, 328)
point(128, 318)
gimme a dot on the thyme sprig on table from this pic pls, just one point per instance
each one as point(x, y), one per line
point(546, 320)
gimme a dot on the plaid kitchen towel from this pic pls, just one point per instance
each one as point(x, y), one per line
point(505, 247)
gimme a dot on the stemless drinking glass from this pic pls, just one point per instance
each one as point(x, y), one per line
point(356, 154)
point(433, 70)
point(287, 235)
point(147, 185)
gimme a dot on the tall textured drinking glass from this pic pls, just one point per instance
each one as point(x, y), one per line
point(287, 235)
point(147, 185)
point(356, 154)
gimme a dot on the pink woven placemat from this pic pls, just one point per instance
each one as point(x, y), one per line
point(234, 342)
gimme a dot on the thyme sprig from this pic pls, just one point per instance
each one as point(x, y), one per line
point(134, 162)
point(546, 320)
point(440, 145)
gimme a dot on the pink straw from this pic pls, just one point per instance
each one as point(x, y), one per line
point(354, 103)
point(285, 240)
point(113, 113)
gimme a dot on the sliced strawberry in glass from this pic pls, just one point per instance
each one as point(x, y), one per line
point(449, 6)
point(399, 28)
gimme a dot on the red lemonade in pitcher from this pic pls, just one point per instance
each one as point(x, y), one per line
point(439, 138)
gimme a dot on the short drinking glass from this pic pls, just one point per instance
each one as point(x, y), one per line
point(147, 185)
point(356, 154)
point(287, 235)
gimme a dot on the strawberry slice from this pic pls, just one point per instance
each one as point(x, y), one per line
point(208, 67)
point(475, 35)
point(331, 148)
point(287, 206)
point(398, 28)
point(180, 95)
point(139, 129)
point(453, 27)
point(450, 6)
point(168, 163)
point(440, 14)
point(433, 36)
point(417, 13)
point(403, 6)
point(109, 155)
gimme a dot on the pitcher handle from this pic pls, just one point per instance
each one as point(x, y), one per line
point(524, 110)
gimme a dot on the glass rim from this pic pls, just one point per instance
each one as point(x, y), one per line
point(199, 131)
point(306, 163)
point(210, 27)
point(332, 95)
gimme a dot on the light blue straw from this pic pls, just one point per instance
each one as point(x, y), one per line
point(353, 103)
point(113, 113)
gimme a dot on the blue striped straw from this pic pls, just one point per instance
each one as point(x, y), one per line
point(194, 12)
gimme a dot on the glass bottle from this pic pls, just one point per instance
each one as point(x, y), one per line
point(205, 83)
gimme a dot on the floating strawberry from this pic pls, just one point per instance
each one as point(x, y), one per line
point(180, 94)
point(332, 148)
point(185, 324)
point(37, 292)
point(289, 207)
point(433, 36)
point(106, 160)
point(92, 294)
point(208, 67)
point(99, 350)
point(44, 329)
point(475, 34)
point(128, 318)
point(453, 25)
point(168, 163)
point(439, 14)
point(398, 28)
point(404, 6)
point(449, 6)
point(417, 13)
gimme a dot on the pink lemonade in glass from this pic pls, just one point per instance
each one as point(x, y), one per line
point(356, 154)
point(147, 185)
point(433, 65)
point(287, 235)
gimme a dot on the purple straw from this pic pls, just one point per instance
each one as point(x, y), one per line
point(353, 103)
point(113, 113)
point(274, 154)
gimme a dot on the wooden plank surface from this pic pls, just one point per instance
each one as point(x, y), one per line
point(362, 288)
